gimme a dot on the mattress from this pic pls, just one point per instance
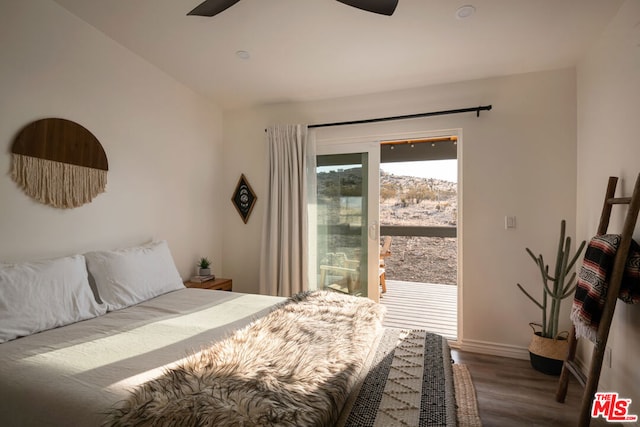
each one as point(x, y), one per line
point(71, 375)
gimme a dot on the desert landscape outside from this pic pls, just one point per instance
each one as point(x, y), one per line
point(430, 199)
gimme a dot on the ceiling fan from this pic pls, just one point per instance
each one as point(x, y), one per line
point(382, 7)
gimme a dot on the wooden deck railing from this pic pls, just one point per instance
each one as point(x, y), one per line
point(418, 231)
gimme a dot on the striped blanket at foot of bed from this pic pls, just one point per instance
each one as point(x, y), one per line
point(408, 382)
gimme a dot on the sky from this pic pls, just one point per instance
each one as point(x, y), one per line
point(446, 170)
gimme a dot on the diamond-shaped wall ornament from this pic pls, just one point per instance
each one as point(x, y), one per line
point(244, 198)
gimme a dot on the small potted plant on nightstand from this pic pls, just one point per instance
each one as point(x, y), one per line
point(204, 267)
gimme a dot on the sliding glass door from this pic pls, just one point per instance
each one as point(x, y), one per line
point(346, 212)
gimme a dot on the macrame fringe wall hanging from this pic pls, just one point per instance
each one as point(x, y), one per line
point(59, 163)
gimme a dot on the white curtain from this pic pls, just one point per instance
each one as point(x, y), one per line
point(284, 264)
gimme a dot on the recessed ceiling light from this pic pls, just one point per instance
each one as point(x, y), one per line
point(243, 54)
point(465, 11)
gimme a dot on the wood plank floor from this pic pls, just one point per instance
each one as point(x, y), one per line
point(511, 393)
point(428, 306)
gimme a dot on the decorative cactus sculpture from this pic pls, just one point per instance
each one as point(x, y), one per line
point(556, 287)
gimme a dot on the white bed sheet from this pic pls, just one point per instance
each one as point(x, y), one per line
point(69, 376)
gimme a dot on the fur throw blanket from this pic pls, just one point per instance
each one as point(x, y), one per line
point(293, 367)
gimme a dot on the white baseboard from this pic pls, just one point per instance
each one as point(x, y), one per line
point(494, 349)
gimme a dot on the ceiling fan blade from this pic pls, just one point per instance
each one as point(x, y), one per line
point(383, 7)
point(212, 7)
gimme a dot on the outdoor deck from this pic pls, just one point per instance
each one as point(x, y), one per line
point(428, 306)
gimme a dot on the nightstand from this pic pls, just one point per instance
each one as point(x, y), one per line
point(218, 284)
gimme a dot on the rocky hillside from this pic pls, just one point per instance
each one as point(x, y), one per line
point(407, 200)
point(404, 200)
point(420, 201)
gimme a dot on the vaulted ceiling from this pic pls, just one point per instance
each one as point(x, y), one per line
point(302, 50)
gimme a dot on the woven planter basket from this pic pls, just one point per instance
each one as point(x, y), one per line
point(549, 347)
point(552, 348)
point(547, 354)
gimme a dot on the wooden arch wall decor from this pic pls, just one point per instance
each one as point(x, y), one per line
point(59, 163)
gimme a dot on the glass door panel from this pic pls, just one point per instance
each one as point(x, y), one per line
point(342, 219)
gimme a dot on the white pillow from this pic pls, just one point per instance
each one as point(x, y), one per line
point(125, 277)
point(40, 295)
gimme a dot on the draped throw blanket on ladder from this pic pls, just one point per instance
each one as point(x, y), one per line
point(284, 249)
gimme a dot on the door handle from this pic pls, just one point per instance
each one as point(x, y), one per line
point(373, 231)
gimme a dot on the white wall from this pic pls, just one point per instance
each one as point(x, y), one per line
point(518, 159)
point(609, 145)
point(162, 141)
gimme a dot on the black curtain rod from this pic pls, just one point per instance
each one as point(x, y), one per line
point(409, 116)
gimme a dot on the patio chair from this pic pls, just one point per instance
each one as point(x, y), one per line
point(385, 252)
point(341, 274)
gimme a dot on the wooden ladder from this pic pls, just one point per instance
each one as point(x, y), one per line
point(590, 383)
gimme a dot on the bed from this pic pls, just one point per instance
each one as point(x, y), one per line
point(134, 347)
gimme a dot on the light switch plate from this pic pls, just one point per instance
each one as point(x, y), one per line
point(509, 222)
